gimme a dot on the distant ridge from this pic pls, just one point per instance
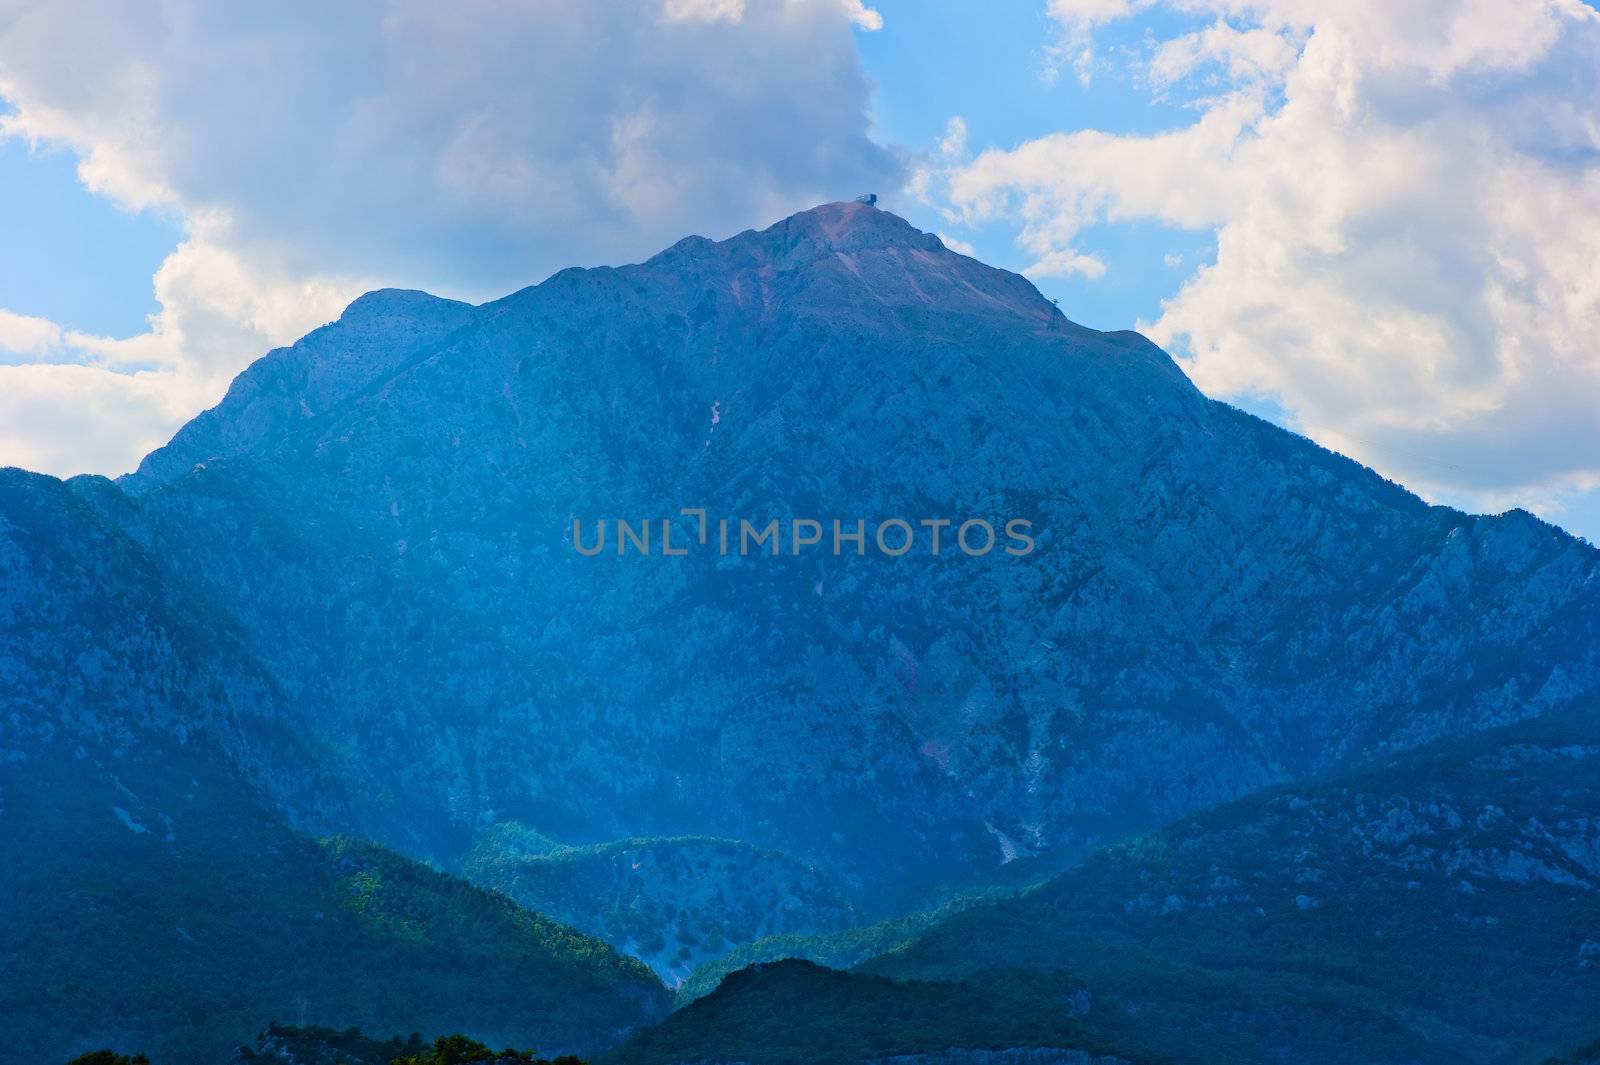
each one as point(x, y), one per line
point(368, 543)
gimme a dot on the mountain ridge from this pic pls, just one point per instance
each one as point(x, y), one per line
point(159, 893)
point(1444, 898)
point(314, 372)
point(846, 267)
point(384, 512)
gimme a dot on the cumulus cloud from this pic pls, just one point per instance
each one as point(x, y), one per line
point(45, 412)
point(1406, 202)
point(1065, 263)
point(1086, 14)
point(1244, 55)
point(864, 17)
point(314, 151)
point(958, 245)
point(25, 337)
point(705, 10)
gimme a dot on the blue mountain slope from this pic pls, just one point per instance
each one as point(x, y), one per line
point(1213, 605)
point(1441, 906)
point(289, 386)
point(156, 898)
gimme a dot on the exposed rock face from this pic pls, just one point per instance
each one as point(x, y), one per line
point(376, 335)
point(100, 649)
point(154, 901)
point(384, 513)
point(1386, 916)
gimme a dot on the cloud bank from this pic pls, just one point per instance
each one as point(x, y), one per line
point(1406, 200)
point(314, 151)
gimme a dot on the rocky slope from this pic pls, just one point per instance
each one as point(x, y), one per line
point(354, 584)
point(155, 897)
point(153, 905)
point(1213, 605)
point(376, 335)
point(1440, 907)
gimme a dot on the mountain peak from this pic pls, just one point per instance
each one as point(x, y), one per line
point(277, 393)
point(843, 225)
point(846, 228)
point(848, 224)
point(851, 254)
point(398, 302)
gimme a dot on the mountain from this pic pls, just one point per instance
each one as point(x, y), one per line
point(793, 1011)
point(1441, 906)
point(841, 949)
point(157, 900)
point(96, 645)
point(1212, 605)
point(355, 600)
point(673, 903)
point(376, 335)
point(1585, 1055)
point(153, 907)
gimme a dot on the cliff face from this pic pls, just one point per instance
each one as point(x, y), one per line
point(376, 335)
point(156, 896)
point(1439, 907)
point(1212, 605)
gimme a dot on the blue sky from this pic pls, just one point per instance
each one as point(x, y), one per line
point(86, 263)
point(926, 64)
point(80, 260)
point(69, 255)
point(1373, 224)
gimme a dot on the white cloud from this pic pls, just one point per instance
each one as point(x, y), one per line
point(1245, 55)
point(704, 10)
point(85, 403)
point(1406, 201)
point(45, 409)
point(1073, 45)
point(25, 337)
point(1087, 14)
point(953, 145)
point(863, 16)
point(958, 245)
point(468, 149)
point(1065, 263)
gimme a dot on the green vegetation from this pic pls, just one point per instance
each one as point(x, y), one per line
point(167, 912)
point(316, 1045)
point(673, 902)
point(834, 950)
point(1584, 1055)
point(793, 1011)
point(1437, 910)
point(459, 1050)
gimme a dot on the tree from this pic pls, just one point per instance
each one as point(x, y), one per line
point(108, 1057)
